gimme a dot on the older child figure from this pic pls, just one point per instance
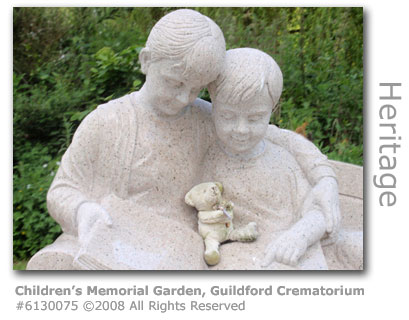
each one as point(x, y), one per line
point(263, 180)
point(132, 159)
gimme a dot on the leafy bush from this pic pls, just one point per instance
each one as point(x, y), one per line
point(115, 74)
point(33, 228)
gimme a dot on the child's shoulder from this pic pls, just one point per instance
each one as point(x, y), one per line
point(273, 148)
point(279, 156)
point(276, 134)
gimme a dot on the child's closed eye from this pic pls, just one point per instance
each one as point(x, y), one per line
point(227, 116)
point(174, 83)
point(255, 118)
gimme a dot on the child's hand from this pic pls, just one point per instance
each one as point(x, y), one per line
point(88, 214)
point(287, 249)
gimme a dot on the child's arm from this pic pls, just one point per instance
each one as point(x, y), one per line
point(318, 171)
point(325, 195)
point(69, 199)
point(309, 157)
point(293, 243)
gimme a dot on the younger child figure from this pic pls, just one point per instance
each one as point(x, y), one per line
point(262, 179)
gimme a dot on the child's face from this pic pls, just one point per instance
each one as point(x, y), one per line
point(169, 90)
point(241, 127)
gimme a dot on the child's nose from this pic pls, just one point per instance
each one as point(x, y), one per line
point(242, 127)
point(183, 97)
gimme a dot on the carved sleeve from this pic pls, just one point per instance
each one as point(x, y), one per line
point(314, 164)
point(73, 182)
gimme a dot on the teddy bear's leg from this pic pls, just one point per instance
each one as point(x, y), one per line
point(211, 255)
point(247, 233)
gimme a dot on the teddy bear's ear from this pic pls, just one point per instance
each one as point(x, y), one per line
point(220, 186)
point(188, 199)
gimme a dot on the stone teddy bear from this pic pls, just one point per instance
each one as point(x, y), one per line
point(216, 219)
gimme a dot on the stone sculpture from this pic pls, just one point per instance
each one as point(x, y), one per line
point(118, 194)
point(216, 219)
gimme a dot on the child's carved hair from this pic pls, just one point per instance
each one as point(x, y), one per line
point(246, 72)
point(188, 36)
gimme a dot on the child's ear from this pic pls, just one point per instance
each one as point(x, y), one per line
point(145, 60)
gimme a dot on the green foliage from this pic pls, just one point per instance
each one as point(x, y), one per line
point(38, 35)
point(115, 74)
point(20, 265)
point(32, 226)
point(66, 61)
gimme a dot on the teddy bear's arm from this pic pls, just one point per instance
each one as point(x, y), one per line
point(214, 216)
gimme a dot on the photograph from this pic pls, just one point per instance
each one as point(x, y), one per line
point(205, 160)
